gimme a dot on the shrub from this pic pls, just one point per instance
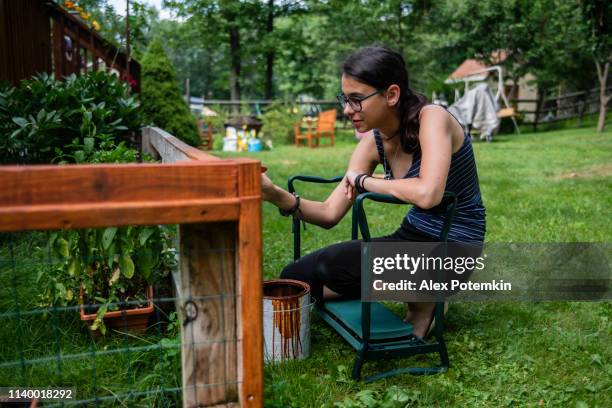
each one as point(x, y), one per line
point(162, 104)
point(43, 114)
point(112, 265)
point(278, 121)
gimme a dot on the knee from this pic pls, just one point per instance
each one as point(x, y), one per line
point(309, 273)
point(320, 265)
point(291, 271)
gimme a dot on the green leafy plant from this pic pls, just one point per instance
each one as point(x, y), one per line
point(43, 114)
point(278, 121)
point(85, 151)
point(393, 397)
point(112, 265)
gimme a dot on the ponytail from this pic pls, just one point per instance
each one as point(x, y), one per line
point(409, 110)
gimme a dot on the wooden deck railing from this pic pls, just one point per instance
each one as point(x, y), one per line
point(41, 36)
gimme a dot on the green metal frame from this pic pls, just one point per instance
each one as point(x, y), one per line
point(371, 347)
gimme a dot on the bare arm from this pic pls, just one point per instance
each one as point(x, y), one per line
point(426, 190)
point(329, 212)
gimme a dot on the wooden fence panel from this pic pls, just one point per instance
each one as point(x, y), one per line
point(25, 39)
point(218, 206)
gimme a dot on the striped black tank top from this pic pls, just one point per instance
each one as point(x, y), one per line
point(469, 222)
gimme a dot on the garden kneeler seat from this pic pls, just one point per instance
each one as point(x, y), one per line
point(386, 335)
point(386, 325)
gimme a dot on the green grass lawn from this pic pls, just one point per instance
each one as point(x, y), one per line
point(545, 187)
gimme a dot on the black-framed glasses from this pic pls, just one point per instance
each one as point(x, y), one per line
point(354, 101)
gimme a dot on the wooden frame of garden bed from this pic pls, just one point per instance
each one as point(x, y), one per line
point(218, 206)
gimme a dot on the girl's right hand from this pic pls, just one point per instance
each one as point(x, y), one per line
point(268, 188)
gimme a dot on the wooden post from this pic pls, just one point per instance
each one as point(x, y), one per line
point(146, 145)
point(223, 355)
point(208, 283)
point(220, 290)
point(85, 56)
point(187, 92)
point(539, 106)
point(77, 51)
point(583, 106)
point(94, 52)
point(251, 286)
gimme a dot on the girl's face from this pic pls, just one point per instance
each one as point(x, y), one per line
point(375, 109)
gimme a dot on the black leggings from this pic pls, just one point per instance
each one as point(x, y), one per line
point(338, 266)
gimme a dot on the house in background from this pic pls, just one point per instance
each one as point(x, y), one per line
point(42, 36)
point(521, 95)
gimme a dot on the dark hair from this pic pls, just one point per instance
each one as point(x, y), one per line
point(381, 67)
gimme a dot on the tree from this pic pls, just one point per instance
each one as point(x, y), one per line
point(512, 26)
point(316, 40)
point(255, 48)
point(548, 38)
point(271, 42)
point(231, 18)
point(112, 23)
point(162, 103)
point(597, 14)
point(270, 52)
point(203, 62)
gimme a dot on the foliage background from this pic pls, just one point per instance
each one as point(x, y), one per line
point(162, 103)
point(307, 40)
point(43, 115)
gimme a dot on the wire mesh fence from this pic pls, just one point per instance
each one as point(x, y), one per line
point(134, 361)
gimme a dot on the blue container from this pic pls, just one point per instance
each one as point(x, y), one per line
point(255, 145)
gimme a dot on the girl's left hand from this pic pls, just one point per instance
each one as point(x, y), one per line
point(349, 184)
point(349, 191)
point(351, 176)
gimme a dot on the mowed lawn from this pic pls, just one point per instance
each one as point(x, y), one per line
point(544, 187)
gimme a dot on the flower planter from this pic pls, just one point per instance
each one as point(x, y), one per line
point(134, 320)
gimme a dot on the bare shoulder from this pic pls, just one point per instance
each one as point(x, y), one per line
point(368, 139)
point(367, 145)
point(365, 155)
point(436, 120)
point(434, 113)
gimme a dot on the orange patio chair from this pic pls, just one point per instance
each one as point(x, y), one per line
point(325, 127)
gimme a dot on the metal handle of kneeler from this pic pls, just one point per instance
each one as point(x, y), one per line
point(360, 223)
point(295, 225)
